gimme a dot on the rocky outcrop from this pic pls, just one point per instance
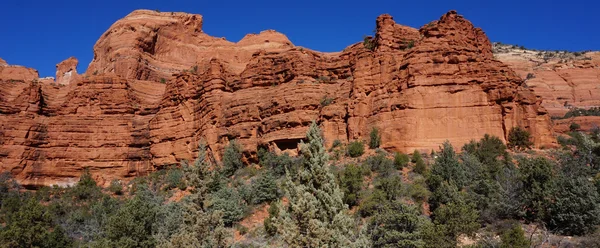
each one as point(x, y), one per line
point(563, 79)
point(158, 84)
point(66, 71)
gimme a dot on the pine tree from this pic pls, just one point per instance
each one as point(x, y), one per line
point(316, 215)
point(200, 227)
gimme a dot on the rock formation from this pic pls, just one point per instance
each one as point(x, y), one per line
point(66, 71)
point(158, 84)
point(563, 79)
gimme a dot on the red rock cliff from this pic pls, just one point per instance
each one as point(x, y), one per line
point(158, 84)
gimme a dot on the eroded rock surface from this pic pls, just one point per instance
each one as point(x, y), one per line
point(158, 84)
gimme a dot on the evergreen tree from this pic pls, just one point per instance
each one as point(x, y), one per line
point(232, 159)
point(519, 139)
point(514, 238)
point(398, 225)
point(420, 166)
point(200, 227)
point(375, 138)
point(576, 207)
point(537, 177)
point(316, 215)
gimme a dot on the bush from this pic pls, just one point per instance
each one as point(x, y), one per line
point(326, 101)
point(391, 187)
point(400, 160)
point(514, 238)
point(264, 189)
point(86, 188)
point(116, 187)
point(355, 149)
point(420, 166)
point(398, 225)
point(379, 163)
point(373, 203)
point(268, 224)
point(174, 179)
point(519, 138)
point(576, 208)
point(351, 183)
point(537, 177)
point(375, 138)
point(276, 164)
point(230, 203)
point(369, 43)
point(232, 159)
point(574, 127)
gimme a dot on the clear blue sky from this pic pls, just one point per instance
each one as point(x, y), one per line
point(41, 33)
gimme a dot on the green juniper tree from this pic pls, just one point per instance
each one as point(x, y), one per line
point(200, 227)
point(316, 215)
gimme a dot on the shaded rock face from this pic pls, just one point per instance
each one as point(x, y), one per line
point(563, 79)
point(158, 84)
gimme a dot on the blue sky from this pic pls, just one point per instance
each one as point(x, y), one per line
point(40, 33)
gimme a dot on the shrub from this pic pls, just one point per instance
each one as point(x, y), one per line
point(369, 43)
point(375, 138)
point(351, 183)
point(86, 188)
point(355, 149)
point(174, 179)
point(420, 166)
point(574, 127)
point(398, 225)
point(391, 187)
point(379, 163)
point(325, 101)
point(530, 76)
point(163, 80)
point(230, 203)
point(232, 159)
point(276, 164)
point(400, 160)
point(514, 238)
point(336, 143)
point(373, 203)
point(538, 178)
point(268, 224)
point(458, 216)
point(519, 138)
point(264, 189)
point(116, 187)
point(576, 208)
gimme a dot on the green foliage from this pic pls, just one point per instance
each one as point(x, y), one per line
point(351, 183)
point(538, 178)
point(264, 189)
point(448, 168)
point(163, 80)
point(132, 225)
point(86, 188)
point(372, 203)
point(116, 187)
point(336, 143)
point(574, 127)
point(374, 138)
point(232, 159)
point(230, 204)
point(369, 43)
point(326, 101)
point(174, 179)
point(400, 160)
point(391, 187)
point(30, 225)
point(576, 207)
point(316, 215)
point(355, 149)
point(420, 166)
point(398, 225)
point(514, 238)
point(379, 163)
point(593, 111)
point(458, 217)
point(276, 164)
point(268, 224)
point(519, 138)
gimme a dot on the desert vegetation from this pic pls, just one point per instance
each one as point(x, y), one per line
point(488, 192)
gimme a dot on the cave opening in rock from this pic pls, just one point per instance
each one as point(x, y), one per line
point(287, 144)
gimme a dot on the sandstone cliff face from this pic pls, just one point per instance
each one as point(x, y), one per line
point(563, 79)
point(158, 84)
